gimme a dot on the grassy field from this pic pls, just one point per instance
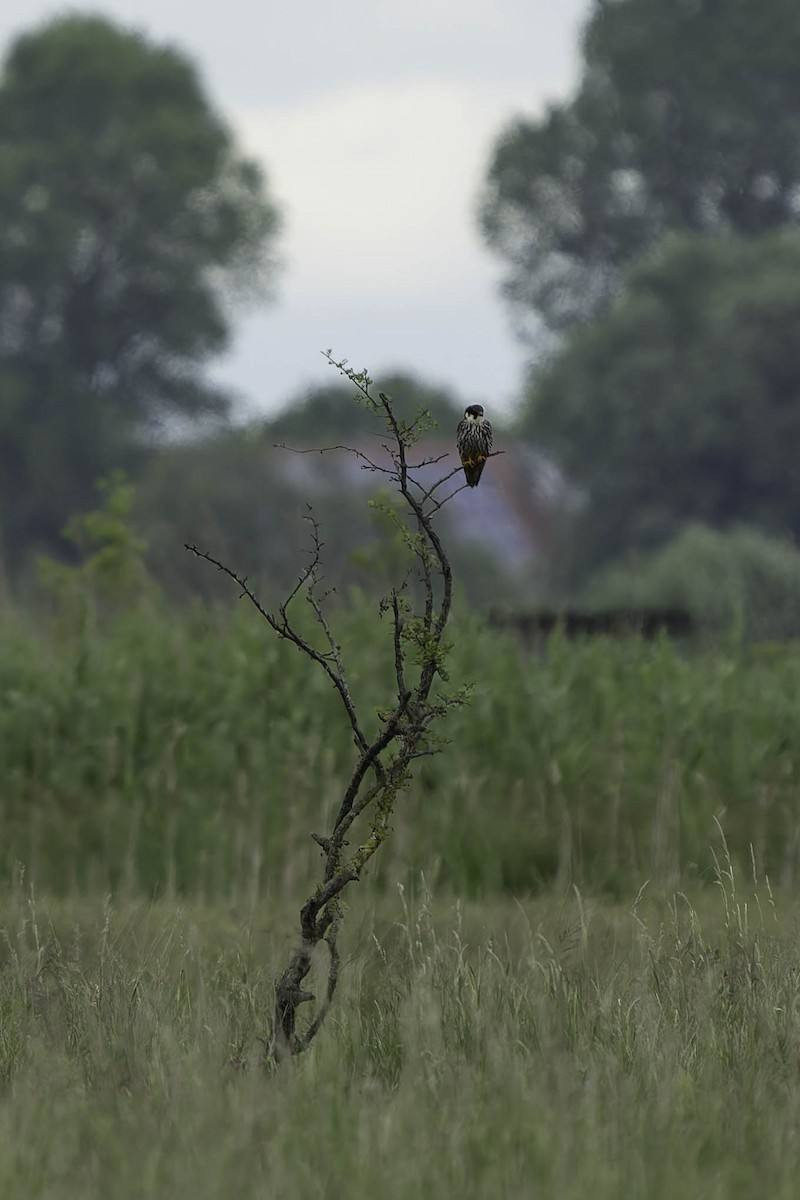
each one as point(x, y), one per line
point(561, 980)
point(559, 1046)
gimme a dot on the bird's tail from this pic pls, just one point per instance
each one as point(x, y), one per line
point(473, 468)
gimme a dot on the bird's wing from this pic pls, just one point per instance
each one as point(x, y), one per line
point(461, 433)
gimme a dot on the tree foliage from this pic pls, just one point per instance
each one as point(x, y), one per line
point(738, 580)
point(683, 402)
point(231, 492)
point(687, 117)
point(125, 214)
point(328, 411)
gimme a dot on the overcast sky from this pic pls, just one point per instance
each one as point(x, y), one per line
point(374, 120)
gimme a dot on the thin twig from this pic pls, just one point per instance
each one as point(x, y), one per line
point(285, 630)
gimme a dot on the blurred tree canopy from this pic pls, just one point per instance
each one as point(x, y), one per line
point(740, 579)
point(687, 118)
point(127, 218)
point(328, 411)
point(226, 493)
point(682, 403)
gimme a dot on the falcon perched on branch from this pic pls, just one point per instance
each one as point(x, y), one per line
point(473, 442)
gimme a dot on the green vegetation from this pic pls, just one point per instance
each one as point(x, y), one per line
point(680, 404)
point(649, 229)
point(739, 578)
point(192, 751)
point(558, 1048)
point(685, 119)
point(128, 219)
point(162, 771)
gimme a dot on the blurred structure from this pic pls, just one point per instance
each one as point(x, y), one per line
point(511, 515)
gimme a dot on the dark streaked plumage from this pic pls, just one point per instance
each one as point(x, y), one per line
point(473, 442)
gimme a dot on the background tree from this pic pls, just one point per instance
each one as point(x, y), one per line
point(687, 117)
point(232, 492)
point(328, 410)
point(683, 402)
point(126, 218)
point(741, 580)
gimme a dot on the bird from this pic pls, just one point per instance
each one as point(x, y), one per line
point(473, 442)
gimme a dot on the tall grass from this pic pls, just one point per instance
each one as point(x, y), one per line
point(194, 753)
point(556, 1048)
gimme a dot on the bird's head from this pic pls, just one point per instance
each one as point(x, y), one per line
point(474, 412)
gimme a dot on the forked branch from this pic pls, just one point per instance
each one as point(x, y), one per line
point(383, 764)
